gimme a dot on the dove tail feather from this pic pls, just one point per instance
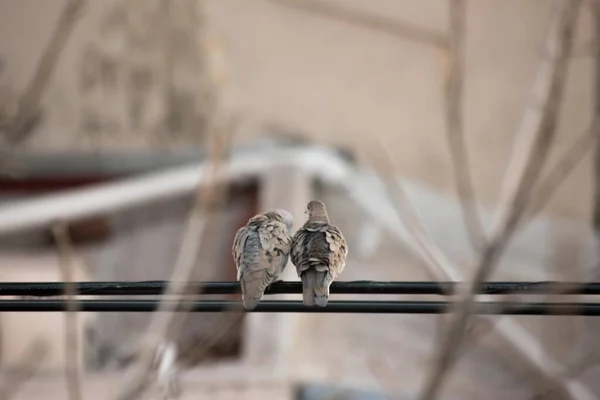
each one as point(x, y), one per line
point(253, 287)
point(315, 288)
point(250, 303)
point(307, 288)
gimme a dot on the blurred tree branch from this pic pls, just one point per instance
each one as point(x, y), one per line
point(200, 228)
point(455, 126)
point(532, 145)
point(17, 123)
point(66, 255)
point(378, 23)
point(596, 14)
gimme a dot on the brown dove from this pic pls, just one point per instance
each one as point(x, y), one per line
point(319, 252)
point(261, 251)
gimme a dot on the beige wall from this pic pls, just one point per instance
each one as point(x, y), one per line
point(338, 82)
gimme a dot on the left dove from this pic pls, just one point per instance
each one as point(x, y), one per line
point(261, 251)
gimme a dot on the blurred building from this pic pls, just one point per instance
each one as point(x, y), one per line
point(133, 79)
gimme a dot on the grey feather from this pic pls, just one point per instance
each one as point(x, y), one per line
point(319, 252)
point(261, 251)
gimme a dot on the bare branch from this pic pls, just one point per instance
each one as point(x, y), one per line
point(137, 379)
point(547, 187)
point(561, 170)
point(533, 143)
point(438, 266)
point(198, 351)
point(454, 125)
point(66, 256)
point(590, 359)
point(28, 112)
point(382, 24)
point(595, 6)
point(444, 269)
point(419, 239)
point(58, 39)
point(206, 198)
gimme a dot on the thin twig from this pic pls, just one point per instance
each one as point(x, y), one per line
point(418, 240)
point(58, 39)
point(137, 379)
point(30, 362)
point(591, 358)
point(439, 267)
point(206, 198)
point(595, 6)
point(547, 187)
point(195, 354)
point(379, 23)
point(28, 111)
point(520, 339)
point(437, 262)
point(530, 152)
point(66, 257)
point(454, 125)
point(584, 143)
point(544, 192)
point(570, 159)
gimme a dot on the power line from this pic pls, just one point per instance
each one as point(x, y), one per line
point(356, 307)
point(42, 289)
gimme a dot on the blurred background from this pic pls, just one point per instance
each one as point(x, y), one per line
point(111, 110)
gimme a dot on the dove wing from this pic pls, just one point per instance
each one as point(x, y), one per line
point(275, 242)
point(261, 251)
point(263, 244)
point(299, 251)
point(318, 246)
point(310, 248)
point(237, 250)
point(338, 250)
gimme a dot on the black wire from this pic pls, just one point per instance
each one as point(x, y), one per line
point(42, 289)
point(354, 307)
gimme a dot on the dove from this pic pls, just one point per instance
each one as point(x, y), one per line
point(319, 252)
point(261, 251)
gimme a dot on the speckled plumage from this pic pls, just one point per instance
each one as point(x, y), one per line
point(319, 252)
point(261, 251)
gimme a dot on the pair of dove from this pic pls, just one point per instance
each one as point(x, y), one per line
point(262, 247)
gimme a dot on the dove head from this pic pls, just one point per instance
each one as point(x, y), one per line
point(286, 218)
point(316, 211)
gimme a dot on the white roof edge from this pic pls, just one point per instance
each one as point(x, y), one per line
point(28, 214)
